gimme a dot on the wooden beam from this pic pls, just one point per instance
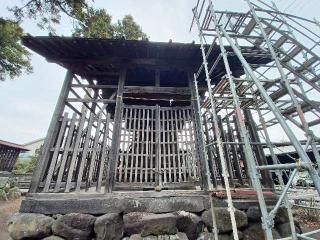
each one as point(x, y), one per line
point(120, 61)
point(116, 133)
point(152, 89)
point(43, 159)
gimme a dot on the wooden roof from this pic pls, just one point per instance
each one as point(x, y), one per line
point(100, 59)
point(7, 144)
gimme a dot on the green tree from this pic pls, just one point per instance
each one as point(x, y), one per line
point(127, 28)
point(14, 58)
point(48, 12)
point(98, 23)
point(90, 22)
point(95, 23)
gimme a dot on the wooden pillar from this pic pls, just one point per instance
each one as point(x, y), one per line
point(199, 138)
point(43, 159)
point(111, 165)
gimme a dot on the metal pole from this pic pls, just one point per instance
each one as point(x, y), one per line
point(201, 136)
point(303, 155)
point(266, 225)
point(225, 173)
point(275, 160)
point(284, 79)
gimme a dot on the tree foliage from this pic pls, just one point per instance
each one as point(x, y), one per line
point(48, 12)
point(127, 28)
point(90, 22)
point(98, 23)
point(14, 58)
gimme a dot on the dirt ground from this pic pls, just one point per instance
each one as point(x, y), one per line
point(7, 209)
point(309, 220)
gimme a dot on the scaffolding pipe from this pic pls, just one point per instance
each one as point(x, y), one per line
point(266, 224)
point(285, 166)
point(275, 110)
point(225, 173)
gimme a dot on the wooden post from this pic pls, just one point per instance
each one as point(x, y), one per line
point(157, 147)
point(199, 141)
point(116, 133)
point(43, 159)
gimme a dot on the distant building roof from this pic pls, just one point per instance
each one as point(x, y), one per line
point(283, 150)
point(34, 141)
point(13, 145)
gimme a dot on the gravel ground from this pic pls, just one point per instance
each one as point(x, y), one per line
point(7, 209)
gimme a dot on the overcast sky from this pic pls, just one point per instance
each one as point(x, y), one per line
point(27, 102)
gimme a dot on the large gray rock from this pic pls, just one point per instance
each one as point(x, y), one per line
point(53, 238)
point(223, 219)
point(149, 238)
point(281, 216)
point(255, 232)
point(135, 237)
point(29, 225)
point(189, 223)
point(284, 229)
point(254, 215)
point(210, 236)
point(74, 226)
point(150, 223)
point(182, 236)
point(109, 227)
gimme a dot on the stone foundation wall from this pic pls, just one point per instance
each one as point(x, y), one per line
point(142, 225)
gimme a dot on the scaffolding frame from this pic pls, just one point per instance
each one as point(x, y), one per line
point(282, 92)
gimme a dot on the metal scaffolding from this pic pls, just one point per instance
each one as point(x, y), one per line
point(281, 91)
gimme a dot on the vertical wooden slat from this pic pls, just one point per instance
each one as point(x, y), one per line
point(152, 156)
point(173, 144)
point(52, 131)
point(75, 152)
point(55, 153)
point(177, 144)
point(211, 159)
point(188, 167)
point(157, 147)
point(241, 150)
point(163, 152)
point(84, 152)
point(167, 117)
point(65, 152)
point(134, 141)
point(225, 149)
point(130, 145)
point(192, 145)
point(183, 145)
point(123, 139)
point(142, 145)
point(138, 147)
point(147, 156)
point(94, 151)
point(234, 153)
point(258, 149)
point(103, 154)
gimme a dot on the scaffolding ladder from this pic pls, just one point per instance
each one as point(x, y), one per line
point(282, 89)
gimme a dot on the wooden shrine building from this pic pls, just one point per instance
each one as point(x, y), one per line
point(127, 120)
point(9, 153)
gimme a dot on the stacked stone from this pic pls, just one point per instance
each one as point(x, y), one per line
point(144, 226)
point(9, 189)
